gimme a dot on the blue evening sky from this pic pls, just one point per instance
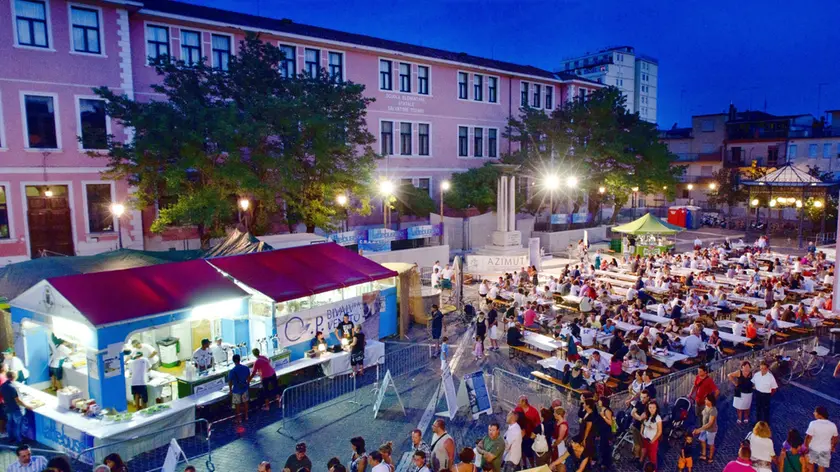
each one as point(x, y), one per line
point(710, 52)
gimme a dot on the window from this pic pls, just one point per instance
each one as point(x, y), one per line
point(478, 87)
point(423, 139)
point(478, 142)
point(221, 51)
point(463, 142)
point(190, 47)
point(405, 139)
point(98, 208)
point(312, 62)
point(582, 93)
point(812, 151)
point(462, 85)
point(549, 97)
point(792, 151)
point(537, 96)
point(157, 41)
point(385, 75)
point(386, 138)
point(492, 89)
point(40, 122)
point(288, 66)
point(406, 182)
point(492, 143)
point(4, 214)
point(31, 20)
point(93, 123)
point(423, 80)
point(619, 82)
point(424, 184)
point(405, 77)
point(619, 57)
point(86, 36)
point(707, 148)
point(827, 151)
point(336, 66)
point(523, 91)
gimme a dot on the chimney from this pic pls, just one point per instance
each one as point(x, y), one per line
point(732, 112)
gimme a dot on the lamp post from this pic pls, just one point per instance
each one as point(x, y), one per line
point(571, 184)
point(117, 209)
point(601, 190)
point(444, 187)
point(386, 188)
point(341, 199)
point(635, 196)
point(244, 204)
point(552, 183)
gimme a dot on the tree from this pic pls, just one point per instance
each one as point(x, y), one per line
point(413, 201)
point(598, 141)
point(246, 132)
point(729, 190)
point(475, 188)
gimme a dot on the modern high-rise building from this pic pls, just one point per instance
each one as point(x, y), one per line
point(634, 74)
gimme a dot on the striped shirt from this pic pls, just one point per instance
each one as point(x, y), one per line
point(36, 464)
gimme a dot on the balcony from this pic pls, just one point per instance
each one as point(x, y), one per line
point(687, 157)
point(739, 158)
point(695, 179)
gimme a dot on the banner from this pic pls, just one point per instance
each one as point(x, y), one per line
point(383, 234)
point(374, 246)
point(580, 217)
point(423, 231)
point(559, 219)
point(301, 327)
point(347, 238)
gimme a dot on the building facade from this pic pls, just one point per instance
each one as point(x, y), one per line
point(436, 112)
point(634, 74)
point(699, 149)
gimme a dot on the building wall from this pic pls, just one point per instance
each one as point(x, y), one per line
point(63, 75)
point(646, 88)
point(815, 152)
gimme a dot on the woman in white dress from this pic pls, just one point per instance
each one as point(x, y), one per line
point(742, 401)
point(761, 445)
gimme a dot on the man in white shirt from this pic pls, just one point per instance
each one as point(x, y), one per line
point(691, 344)
point(575, 290)
point(220, 351)
point(818, 302)
point(493, 294)
point(587, 337)
point(437, 266)
point(598, 362)
point(59, 354)
point(765, 385)
point(376, 462)
point(26, 462)
point(202, 356)
point(743, 259)
point(631, 294)
point(14, 364)
point(435, 277)
point(821, 439)
point(447, 273)
point(513, 444)
point(139, 367)
point(148, 351)
point(698, 243)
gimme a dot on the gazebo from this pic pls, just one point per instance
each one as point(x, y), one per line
point(648, 227)
point(789, 185)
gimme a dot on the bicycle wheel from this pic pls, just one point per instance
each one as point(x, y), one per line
point(794, 368)
point(817, 365)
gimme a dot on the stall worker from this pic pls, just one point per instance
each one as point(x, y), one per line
point(14, 364)
point(139, 367)
point(59, 354)
point(148, 351)
point(318, 341)
point(203, 357)
point(344, 330)
point(220, 349)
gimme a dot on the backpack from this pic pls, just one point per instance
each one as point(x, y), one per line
point(540, 445)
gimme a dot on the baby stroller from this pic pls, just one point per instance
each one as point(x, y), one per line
point(676, 420)
point(623, 436)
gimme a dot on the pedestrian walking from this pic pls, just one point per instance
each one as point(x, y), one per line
point(492, 448)
point(708, 429)
point(761, 445)
point(821, 440)
point(513, 442)
point(437, 327)
point(651, 433)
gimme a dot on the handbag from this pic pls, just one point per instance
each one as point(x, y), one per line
point(540, 445)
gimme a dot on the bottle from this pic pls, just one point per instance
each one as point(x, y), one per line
point(189, 371)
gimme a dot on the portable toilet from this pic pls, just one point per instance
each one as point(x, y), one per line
point(694, 217)
point(677, 216)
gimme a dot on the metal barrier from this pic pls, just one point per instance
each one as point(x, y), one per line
point(8, 457)
point(506, 388)
point(147, 452)
point(304, 396)
point(410, 358)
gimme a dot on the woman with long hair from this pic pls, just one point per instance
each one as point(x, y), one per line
point(651, 432)
point(115, 463)
point(359, 458)
point(742, 400)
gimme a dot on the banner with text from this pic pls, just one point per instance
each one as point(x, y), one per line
point(301, 327)
point(559, 219)
point(347, 238)
point(374, 246)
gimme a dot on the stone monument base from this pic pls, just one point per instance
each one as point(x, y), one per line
point(496, 260)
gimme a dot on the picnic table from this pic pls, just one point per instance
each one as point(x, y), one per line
point(560, 364)
point(628, 366)
point(542, 342)
point(763, 320)
point(616, 275)
point(669, 358)
point(655, 318)
point(619, 282)
point(627, 327)
point(729, 337)
point(758, 302)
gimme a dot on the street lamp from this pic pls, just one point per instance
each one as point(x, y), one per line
point(690, 187)
point(571, 181)
point(712, 186)
point(386, 188)
point(341, 200)
point(117, 209)
point(552, 183)
point(602, 190)
point(754, 202)
point(635, 191)
point(244, 204)
point(444, 186)
point(818, 204)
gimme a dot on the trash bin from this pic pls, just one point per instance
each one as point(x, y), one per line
point(835, 341)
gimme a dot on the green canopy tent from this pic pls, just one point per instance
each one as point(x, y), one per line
point(648, 226)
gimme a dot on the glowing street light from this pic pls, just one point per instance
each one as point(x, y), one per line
point(690, 186)
point(117, 209)
point(712, 186)
point(386, 187)
point(635, 189)
point(244, 204)
point(773, 202)
point(571, 181)
point(444, 186)
point(602, 190)
point(818, 203)
point(341, 199)
point(799, 204)
point(552, 182)
point(754, 202)
point(664, 187)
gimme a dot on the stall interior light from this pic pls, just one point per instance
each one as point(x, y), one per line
point(26, 324)
point(225, 309)
point(64, 328)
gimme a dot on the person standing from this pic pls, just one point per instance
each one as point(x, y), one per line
point(357, 351)
point(765, 385)
point(793, 460)
point(419, 462)
point(139, 367)
point(532, 420)
point(443, 447)
point(220, 351)
point(558, 448)
point(58, 356)
point(513, 442)
point(268, 377)
point(708, 430)
point(742, 400)
point(376, 462)
point(13, 404)
point(761, 445)
point(742, 463)
point(299, 460)
point(418, 445)
point(437, 327)
point(703, 386)
point(202, 356)
point(148, 351)
point(639, 415)
point(821, 440)
point(651, 432)
point(239, 382)
point(344, 329)
point(26, 462)
point(14, 364)
point(492, 447)
point(359, 458)
point(493, 326)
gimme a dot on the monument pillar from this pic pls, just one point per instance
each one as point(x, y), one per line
point(512, 204)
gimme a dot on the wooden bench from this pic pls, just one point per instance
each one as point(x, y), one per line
point(540, 354)
point(659, 369)
point(542, 376)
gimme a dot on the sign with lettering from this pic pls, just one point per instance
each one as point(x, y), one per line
point(479, 397)
point(382, 234)
point(214, 385)
point(62, 437)
point(559, 219)
point(347, 238)
point(580, 217)
point(403, 103)
point(301, 326)
point(423, 231)
point(374, 246)
point(489, 264)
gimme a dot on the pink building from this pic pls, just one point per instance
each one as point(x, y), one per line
point(436, 112)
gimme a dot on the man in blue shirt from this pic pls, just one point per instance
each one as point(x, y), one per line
point(13, 405)
point(238, 384)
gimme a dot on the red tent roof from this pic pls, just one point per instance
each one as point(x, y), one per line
point(122, 295)
point(301, 271)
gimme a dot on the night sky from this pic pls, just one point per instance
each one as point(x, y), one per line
point(710, 52)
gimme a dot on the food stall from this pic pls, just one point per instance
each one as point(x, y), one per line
point(649, 234)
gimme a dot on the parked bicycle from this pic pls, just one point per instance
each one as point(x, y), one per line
point(809, 363)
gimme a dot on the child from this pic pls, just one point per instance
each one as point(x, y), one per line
point(444, 350)
point(687, 454)
point(479, 348)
